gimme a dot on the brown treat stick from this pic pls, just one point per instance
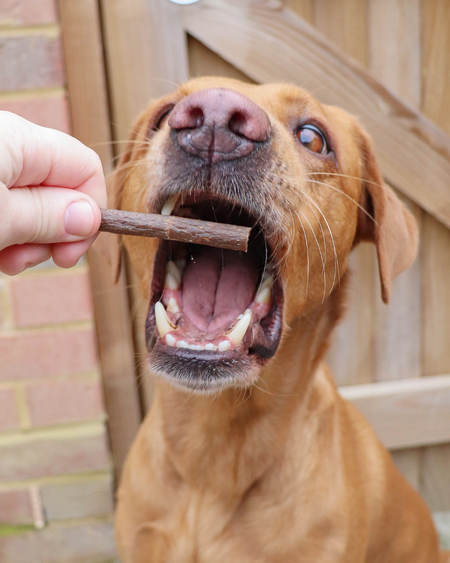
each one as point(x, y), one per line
point(170, 227)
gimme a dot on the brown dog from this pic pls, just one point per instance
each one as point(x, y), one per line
point(249, 455)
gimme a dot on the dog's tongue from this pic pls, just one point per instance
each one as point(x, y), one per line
point(218, 285)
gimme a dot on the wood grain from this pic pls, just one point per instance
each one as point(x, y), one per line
point(90, 121)
point(407, 412)
point(344, 22)
point(436, 242)
point(146, 52)
point(414, 153)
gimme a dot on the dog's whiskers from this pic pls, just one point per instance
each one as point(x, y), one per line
point(336, 260)
point(371, 217)
point(318, 248)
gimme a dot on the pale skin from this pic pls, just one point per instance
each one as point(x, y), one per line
point(51, 190)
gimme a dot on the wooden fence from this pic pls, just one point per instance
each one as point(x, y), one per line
point(387, 61)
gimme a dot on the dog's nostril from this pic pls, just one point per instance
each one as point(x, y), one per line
point(196, 117)
point(236, 123)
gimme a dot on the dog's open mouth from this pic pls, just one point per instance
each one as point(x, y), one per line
point(213, 313)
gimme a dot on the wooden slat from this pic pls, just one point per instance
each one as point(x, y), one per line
point(90, 122)
point(352, 355)
point(436, 243)
point(204, 62)
point(344, 22)
point(414, 154)
point(394, 60)
point(394, 46)
point(405, 413)
point(146, 52)
point(435, 477)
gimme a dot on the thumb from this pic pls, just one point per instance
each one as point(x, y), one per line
point(46, 215)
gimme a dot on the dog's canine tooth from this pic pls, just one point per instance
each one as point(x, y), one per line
point(238, 332)
point(162, 320)
point(267, 281)
point(172, 305)
point(169, 206)
point(264, 295)
point(210, 347)
point(224, 346)
point(171, 340)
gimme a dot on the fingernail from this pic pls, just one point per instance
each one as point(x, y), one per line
point(79, 219)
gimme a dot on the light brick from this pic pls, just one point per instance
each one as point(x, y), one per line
point(75, 543)
point(56, 402)
point(51, 298)
point(45, 458)
point(15, 507)
point(47, 354)
point(27, 12)
point(9, 417)
point(78, 500)
point(30, 61)
point(49, 111)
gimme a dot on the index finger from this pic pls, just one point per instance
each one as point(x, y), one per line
point(39, 156)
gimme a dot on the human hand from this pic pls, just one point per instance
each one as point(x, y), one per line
point(51, 188)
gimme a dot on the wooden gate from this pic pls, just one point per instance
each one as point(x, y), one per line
point(387, 61)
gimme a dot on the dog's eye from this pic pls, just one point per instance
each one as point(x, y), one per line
point(312, 138)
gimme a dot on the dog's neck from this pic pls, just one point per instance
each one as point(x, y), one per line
point(214, 435)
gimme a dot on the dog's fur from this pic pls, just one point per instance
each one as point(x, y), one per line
point(277, 467)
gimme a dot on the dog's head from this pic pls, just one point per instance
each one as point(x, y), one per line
point(301, 174)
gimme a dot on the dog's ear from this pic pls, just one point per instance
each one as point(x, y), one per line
point(386, 221)
point(115, 182)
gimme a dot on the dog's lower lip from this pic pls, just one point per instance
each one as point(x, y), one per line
point(217, 348)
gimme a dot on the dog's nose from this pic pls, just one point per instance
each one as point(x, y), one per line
point(218, 124)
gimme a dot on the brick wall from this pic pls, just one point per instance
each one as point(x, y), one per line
point(55, 469)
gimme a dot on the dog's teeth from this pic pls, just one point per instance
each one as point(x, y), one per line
point(162, 320)
point(182, 344)
point(172, 306)
point(267, 281)
point(238, 332)
point(223, 346)
point(199, 347)
point(211, 347)
point(170, 340)
point(171, 268)
point(169, 206)
point(264, 295)
point(173, 276)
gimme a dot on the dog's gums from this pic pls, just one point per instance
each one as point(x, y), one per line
point(212, 310)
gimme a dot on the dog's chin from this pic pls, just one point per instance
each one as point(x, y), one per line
point(204, 372)
point(215, 316)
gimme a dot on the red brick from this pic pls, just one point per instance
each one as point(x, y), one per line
point(57, 402)
point(51, 298)
point(50, 457)
point(27, 12)
point(72, 543)
point(9, 418)
point(15, 507)
point(47, 354)
point(30, 61)
point(51, 111)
